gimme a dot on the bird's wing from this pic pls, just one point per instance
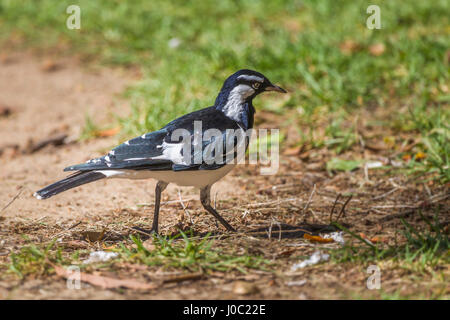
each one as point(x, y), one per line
point(144, 152)
point(215, 152)
point(163, 150)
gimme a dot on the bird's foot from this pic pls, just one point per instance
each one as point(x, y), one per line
point(148, 232)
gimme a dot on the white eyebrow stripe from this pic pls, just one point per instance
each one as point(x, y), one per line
point(251, 78)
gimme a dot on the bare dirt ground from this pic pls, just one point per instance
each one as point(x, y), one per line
point(49, 96)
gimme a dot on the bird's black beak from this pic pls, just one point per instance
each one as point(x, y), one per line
point(273, 87)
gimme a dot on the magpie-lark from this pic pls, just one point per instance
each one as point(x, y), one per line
point(159, 156)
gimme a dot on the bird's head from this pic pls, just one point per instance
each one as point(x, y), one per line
point(243, 85)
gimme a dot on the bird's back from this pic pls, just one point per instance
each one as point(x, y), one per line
point(162, 149)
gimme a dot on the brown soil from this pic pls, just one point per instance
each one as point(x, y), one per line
point(48, 96)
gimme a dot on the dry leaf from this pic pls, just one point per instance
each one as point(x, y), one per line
point(5, 58)
point(293, 25)
point(377, 239)
point(111, 247)
point(420, 156)
point(93, 235)
point(315, 166)
point(244, 288)
point(376, 146)
point(106, 282)
point(107, 133)
point(317, 238)
point(286, 253)
point(149, 245)
point(349, 46)
point(305, 155)
point(377, 49)
point(76, 244)
point(406, 157)
point(389, 141)
point(360, 100)
point(10, 151)
point(5, 111)
point(183, 277)
point(49, 65)
point(292, 151)
point(364, 237)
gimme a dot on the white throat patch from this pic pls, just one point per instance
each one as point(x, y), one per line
point(236, 99)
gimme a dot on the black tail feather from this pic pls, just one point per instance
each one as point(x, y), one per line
point(70, 182)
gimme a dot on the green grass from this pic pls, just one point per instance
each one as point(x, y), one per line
point(89, 129)
point(197, 255)
point(434, 129)
point(297, 44)
point(421, 251)
point(193, 255)
point(33, 260)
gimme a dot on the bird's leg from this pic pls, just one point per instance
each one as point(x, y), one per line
point(160, 187)
point(206, 202)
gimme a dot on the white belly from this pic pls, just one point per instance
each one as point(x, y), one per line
point(194, 178)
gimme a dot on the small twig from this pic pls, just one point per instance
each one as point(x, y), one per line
point(404, 149)
point(279, 228)
point(55, 140)
point(279, 187)
point(70, 228)
point(385, 194)
point(334, 206)
point(427, 189)
point(426, 203)
point(393, 183)
point(366, 173)
point(342, 212)
point(215, 198)
point(163, 203)
point(75, 225)
point(138, 231)
point(185, 208)
point(183, 277)
point(310, 199)
point(400, 206)
point(260, 204)
point(270, 229)
point(246, 212)
point(12, 200)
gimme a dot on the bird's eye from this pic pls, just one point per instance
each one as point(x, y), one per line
point(256, 85)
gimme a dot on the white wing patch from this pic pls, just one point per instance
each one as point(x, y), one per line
point(110, 173)
point(97, 160)
point(172, 152)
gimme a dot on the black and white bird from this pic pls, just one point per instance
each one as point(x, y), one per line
point(156, 155)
